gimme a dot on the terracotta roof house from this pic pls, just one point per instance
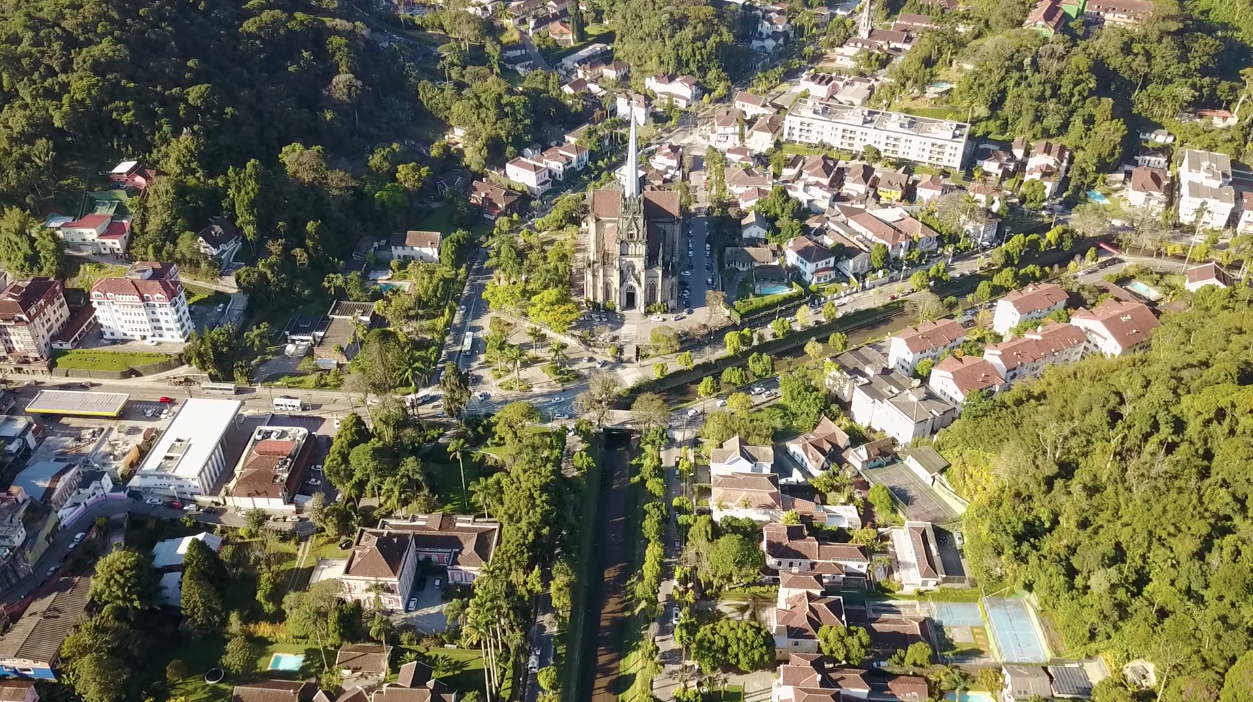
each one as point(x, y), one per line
point(363, 659)
point(869, 455)
point(415, 246)
point(1115, 328)
point(1150, 188)
point(275, 691)
point(492, 200)
point(735, 456)
point(1032, 302)
point(789, 548)
point(388, 555)
point(744, 492)
point(798, 617)
point(926, 341)
point(813, 449)
point(804, 679)
point(955, 378)
point(1208, 274)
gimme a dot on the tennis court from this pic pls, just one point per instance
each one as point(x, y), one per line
point(917, 499)
point(957, 613)
point(1013, 632)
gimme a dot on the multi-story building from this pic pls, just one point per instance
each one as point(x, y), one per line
point(1048, 163)
point(736, 456)
point(535, 176)
point(189, 457)
point(926, 341)
point(954, 379)
point(415, 246)
point(815, 262)
point(1206, 196)
point(384, 560)
point(1032, 302)
point(273, 467)
point(895, 135)
point(682, 90)
point(30, 647)
point(753, 105)
point(95, 233)
point(1027, 357)
point(1115, 328)
point(31, 313)
point(147, 303)
point(1150, 189)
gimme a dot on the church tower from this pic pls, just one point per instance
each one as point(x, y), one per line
point(631, 230)
point(864, 27)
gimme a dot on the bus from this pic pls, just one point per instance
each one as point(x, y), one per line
point(467, 346)
point(220, 388)
point(286, 403)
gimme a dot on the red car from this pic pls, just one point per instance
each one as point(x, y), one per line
point(176, 504)
point(166, 400)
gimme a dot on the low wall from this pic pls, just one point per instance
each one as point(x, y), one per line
point(132, 372)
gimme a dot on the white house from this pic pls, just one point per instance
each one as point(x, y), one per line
point(1049, 344)
point(189, 457)
point(95, 233)
point(735, 456)
point(724, 132)
point(1208, 274)
point(929, 189)
point(1048, 163)
point(877, 231)
point(1115, 328)
point(917, 564)
point(683, 90)
point(854, 256)
point(1206, 196)
point(926, 341)
point(752, 105)
point(754, 226)
point(815, 262)
point(1032, 302)
point(1149, 189)
point(415, 246)
point(955, 378)
point(822, 86)
point(813, 449)
point(632, 105)
point(764, 133)
point(220, 239)
point(788, 547)
point(535, 176)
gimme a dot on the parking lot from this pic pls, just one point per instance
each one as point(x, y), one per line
point(427, 616)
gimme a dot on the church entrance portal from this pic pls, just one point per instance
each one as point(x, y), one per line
point(629, 303)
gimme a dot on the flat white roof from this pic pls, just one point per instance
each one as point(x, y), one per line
point(124, 167)
point(93, 404)
point(189, 441)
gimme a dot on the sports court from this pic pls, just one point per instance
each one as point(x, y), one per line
point(1013, 631)
point(957, 613)
point(918, 500)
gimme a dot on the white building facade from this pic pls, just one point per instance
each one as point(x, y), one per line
point(895, 135)
point(189, 457)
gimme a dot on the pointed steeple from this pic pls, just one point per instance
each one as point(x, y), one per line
point(632, 164)
point(864, 27)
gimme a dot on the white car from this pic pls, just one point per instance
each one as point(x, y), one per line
point(693, 412)
point(314, 482)
point(154, 502)
point(657, 318)
point(686, 274)
point(759, 390)
point(721, 403)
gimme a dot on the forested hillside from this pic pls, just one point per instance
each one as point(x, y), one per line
point(1118, 491)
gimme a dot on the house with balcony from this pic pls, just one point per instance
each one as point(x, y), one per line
point(928, 340)
point(954, 379)
point(533, 175)
point(1030, 303)
point(814, 261)
point(1115, 327)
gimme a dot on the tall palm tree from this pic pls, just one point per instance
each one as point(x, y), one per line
point(536, 335)
point(558, 352)
point(514, 355)
point(456, 449)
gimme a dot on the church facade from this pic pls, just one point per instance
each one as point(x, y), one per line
point(633, 244)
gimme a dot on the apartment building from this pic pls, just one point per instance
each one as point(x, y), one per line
point(682, 90)
point(148, 302)
point(1027, 357)
point(954, 379)
point(1115, 328)
point(1032, 302)
point(535, 176)
point(1206, 196)
point(926, 341)
point(896, 135)
point(31, 313)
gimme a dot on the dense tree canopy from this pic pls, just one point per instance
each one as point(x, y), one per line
point(1117, 490)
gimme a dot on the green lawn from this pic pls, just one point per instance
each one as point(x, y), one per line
point(86, 273)
point(200, 655)
point(90, 359)
point(445, 480)
point(460, 668)
point(438, 221)
point(197, 295)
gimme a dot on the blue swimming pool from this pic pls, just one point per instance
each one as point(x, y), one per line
point(286, 661)
point(1143, 290)
point(772, 289)
point(1098, 198)
point(968, 696)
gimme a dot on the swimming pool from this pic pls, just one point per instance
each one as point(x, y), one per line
point(286, 661)
point(968, 696)
point(1144, 291)
point(772, 289)
point(1098, 198)
point(388, 287)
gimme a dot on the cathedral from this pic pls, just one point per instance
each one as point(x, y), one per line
point(633, 244)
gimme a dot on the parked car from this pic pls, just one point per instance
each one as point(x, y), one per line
point(166, 400)
point(413, 604)
point(314, 482)
point(53, 570)
point(80, 536)
point(176, 504)
point(439, 582)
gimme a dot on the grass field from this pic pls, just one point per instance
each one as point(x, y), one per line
point(86, 273)
point(438, 221)
point(197, 295)
point(87, 359)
